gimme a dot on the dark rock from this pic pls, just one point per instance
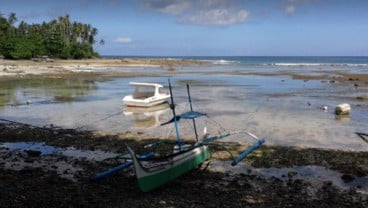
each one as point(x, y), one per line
point(360, 173)
point(33, 153)
point(326, 184)
point(347, 178)
point(291, 174)
point(29, 160)
point(362, 97)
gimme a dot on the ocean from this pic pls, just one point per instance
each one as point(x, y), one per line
point(282, 99)
point(353, 61)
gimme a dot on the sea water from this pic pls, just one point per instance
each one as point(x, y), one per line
point(257, 94)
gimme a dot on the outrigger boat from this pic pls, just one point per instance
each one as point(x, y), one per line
point(145, 95)
point(152, 172)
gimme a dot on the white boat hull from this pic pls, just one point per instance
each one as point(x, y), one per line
point(148, 102)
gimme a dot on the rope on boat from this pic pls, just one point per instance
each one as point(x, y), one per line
point(29, 102)
point(245, 132)
point(363, 136)
point(224, 147)
point(24, 124)
point(102, 119)
point(77, 128)
point(248, 119)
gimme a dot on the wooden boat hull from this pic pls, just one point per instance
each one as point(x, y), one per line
point(152, 175)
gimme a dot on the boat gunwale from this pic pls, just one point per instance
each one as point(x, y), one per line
point(166, 159)
point(146, 84)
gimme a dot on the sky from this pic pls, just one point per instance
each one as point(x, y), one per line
point(212, 27)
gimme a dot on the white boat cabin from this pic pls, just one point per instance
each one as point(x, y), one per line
point(145, 95)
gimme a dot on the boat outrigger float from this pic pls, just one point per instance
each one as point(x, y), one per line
point(152, 171)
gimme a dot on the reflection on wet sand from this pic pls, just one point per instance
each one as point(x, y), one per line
point(268, 100)
point(43, 91)
point(147, 117)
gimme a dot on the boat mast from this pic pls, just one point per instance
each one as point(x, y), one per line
point(191, 109)
point(172, 106)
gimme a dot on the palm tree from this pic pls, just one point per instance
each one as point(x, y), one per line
point(92, 34)
point(4, 25)
point(64, 25)
point(23, 28)
point(102, 42)
point(56, 37)
point(12, 19)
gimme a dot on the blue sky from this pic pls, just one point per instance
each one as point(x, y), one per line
point(212, 27)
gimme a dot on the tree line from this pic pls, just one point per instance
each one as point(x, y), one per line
point(59, 38)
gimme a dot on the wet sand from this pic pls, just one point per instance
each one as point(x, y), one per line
point(51, 67)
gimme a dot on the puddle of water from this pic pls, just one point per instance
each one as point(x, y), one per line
point(44, 149)
point(34, 146)
point(49, 158)
point(96, 155)
point(316, 175)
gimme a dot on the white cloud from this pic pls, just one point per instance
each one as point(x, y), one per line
point(216, 17)
point(174, 7)
point(220, 12)
point(289, 9)
point(290, 6)
point(203, 12)
point(123, 40)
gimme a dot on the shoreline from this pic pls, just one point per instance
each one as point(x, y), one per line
point(23, 69)
point(51, 67)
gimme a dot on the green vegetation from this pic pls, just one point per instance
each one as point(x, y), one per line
point(59, 38)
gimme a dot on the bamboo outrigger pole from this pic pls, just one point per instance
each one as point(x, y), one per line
point(172, 106)
point(191, 109)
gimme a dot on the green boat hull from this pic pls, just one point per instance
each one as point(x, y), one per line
point(150, 182)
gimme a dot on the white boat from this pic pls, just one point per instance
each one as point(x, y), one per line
point(145, 95)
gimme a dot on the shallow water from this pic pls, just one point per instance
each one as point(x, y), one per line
point(283, 110)
point(44, 149)
point(34, 146)
point(316, 175)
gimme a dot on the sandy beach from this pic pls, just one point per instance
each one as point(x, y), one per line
point(274, 176)
point(51, 67)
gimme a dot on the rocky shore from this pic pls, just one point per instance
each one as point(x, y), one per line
point(32, 179)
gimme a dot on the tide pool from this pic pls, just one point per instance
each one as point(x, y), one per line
point(284, 110)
